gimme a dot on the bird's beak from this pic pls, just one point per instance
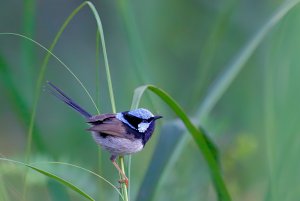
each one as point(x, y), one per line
point(157, 117)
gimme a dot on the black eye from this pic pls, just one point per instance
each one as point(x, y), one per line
point(133, 120)
point(150, 119)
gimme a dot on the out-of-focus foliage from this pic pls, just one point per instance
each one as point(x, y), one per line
point(180, 46)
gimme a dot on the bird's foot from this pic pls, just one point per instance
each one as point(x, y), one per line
point(122, 181)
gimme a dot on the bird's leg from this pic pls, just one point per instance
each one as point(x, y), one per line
point(125, 179)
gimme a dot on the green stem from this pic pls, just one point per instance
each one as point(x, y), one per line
point(123, 185)
point(97, 68)
point(43, 70)
point(109, 82)
point(107, 70)
point(41, 78)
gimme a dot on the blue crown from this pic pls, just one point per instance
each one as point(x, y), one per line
point(141, 113)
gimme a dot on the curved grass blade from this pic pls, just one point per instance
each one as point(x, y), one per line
point(109, 82)
point(45, 62)
point(230, 73)
point(57, 192)
point(86, 170)
point(33, 114)
point(41, 74)
point(139, 92)
point(222, 83)
point(97, 78)
point(100, 29)
point(171, 142)
point(52, 176)
point(64, 182)
point(197, 134)
point(31, 124)
point(169, 139)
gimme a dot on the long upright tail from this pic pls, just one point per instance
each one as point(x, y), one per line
point(63, 97)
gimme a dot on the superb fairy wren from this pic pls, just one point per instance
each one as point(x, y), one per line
point(121, 133)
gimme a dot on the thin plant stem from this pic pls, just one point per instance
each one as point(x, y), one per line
point(124, 188)
point(101, 195)
point(107, 69)
point(84, 169)
point(109, 82)
point(37, 95)
point(97, 69)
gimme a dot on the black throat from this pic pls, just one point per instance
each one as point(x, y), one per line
point(139, 135)
point(148, 133)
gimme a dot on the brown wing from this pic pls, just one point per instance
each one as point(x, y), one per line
point(110, 126)
point(100, 118)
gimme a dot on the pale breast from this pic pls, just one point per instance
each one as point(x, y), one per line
point(117, 145)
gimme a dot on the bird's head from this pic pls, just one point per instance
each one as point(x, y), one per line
point(141, 120)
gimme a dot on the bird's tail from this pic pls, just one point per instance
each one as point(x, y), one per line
point(63, 97)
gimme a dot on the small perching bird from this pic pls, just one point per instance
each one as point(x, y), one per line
point(121, 133)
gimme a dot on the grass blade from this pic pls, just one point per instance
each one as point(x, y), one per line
point(197, 134)
point(52, 176)
point(57, 191)
point(45, 62)
point(64, 182)
point(107, 69)
point(222, 83)
point(226, 78)
point(97, 76)
point(41, 76)
point(86, 170)
point(168, 140)
point(109, 82)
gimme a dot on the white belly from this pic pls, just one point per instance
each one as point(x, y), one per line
point(118, 146)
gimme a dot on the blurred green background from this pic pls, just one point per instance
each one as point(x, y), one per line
point(179, 46)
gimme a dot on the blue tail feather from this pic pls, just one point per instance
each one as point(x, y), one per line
point(63, 97)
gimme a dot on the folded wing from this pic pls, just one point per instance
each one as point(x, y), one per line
point(109, 125)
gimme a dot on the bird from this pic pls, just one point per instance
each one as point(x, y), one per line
point(120, 133)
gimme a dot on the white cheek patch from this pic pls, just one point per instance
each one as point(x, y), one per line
point(142, 127)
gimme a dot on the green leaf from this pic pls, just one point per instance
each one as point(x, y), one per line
point(42, 71)
point(64, 182)
point(53, 176)
point(198, 135)
point(169, 139)
point(57, 191)
point(222, 83)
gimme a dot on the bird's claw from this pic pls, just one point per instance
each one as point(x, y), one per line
point(124, 181)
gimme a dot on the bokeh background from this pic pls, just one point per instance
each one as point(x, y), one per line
point(182, 47)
